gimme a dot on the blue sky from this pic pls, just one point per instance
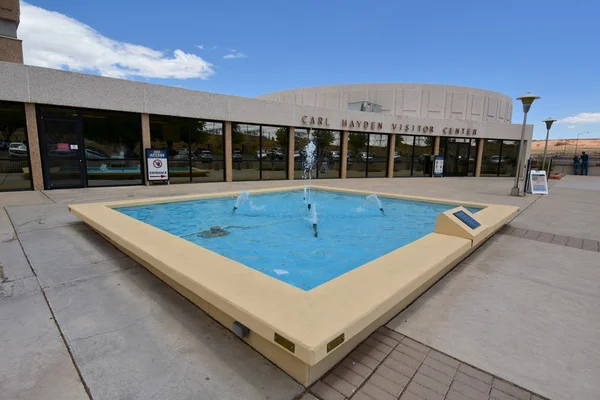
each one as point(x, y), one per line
point(547, 47)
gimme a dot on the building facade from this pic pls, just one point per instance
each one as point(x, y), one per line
point(66, 130)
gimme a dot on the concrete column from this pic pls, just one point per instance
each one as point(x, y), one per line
point(391, 148)
point(146, 141)
point(291, 150)
point(33, 143)
point(228, 150)
point(344, 155)
point(436, 146)
point(479, 157)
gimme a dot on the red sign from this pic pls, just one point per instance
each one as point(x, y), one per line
point(62, 146)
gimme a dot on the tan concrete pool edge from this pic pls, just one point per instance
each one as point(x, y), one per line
point(303, 332)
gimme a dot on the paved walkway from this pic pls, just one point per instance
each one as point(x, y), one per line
point(80, 320)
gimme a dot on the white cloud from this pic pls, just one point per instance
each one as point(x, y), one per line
point(581, 118)
point(53, 40)
point(234, 54)
point(200, 46)
point(571, 127)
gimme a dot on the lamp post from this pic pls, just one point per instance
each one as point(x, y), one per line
point(549, 121)
point(577, 141)
point(527, 101)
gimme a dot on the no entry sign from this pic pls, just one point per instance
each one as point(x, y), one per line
point(158, 167)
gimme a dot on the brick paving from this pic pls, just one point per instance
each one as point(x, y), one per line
point(391, 366)
point(577, 243)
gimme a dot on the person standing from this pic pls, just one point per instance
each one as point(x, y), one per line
point(584, 163)
point(576, 164)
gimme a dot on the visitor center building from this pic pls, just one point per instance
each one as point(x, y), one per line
point(61, 129)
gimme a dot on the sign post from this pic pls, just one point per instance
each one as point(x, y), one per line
point(539, 183)
point(438, 166)
point(157, 166)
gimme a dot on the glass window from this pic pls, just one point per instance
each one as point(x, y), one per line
point(378, 156)
point(300, 142)
point(423, 147)
point(491, 161)
point(403, 155)
point(259, 152)
point(275, 147)
point(112, 147)
point(358, 157)
point(206, 145)
point(194, 148)
point(328, 147)
point(509, 157)
point(14, 149)
point(472, 157)
point(247, 154)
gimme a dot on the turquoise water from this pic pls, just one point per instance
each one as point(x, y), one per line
point(276, 236)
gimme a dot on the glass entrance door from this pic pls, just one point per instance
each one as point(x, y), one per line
point(457, 157)
point(62, 147)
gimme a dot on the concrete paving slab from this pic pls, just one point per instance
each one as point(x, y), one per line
point(34, 362)
point(12, 288)
point(567, 210)
point(22, 198)
point(31, 218)
point(7, 233)
point(523, 310)
point(72, 245)
point(13, 264)
point(134, 337)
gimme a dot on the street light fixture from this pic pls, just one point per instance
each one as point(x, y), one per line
point(527, 101)
point(549, 121)
point(577, 141)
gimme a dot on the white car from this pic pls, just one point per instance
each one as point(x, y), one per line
point(17, 149)
point(260, 154)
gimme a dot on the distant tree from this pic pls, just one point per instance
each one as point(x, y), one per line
point(357, 141)
point(282, 137)
point(198, 134)
point(9, 123)
point(321, 139)
point(237, 137)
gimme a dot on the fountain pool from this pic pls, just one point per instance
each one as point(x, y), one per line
point(301, 277)
point(273, 233)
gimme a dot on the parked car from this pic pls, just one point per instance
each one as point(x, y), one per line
point(397, 157)
point(297, 156)
point(206, 156)
point(363, 156)
point(237, 156)
point(496, 160)
point(17, 149)
point(260, 154)
point(94, 154)
point(275, 153)
point(333, 156)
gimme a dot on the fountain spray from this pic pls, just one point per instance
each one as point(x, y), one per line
point(241, 199)
point(313, 219)
point(307, 172)
point(373, 198)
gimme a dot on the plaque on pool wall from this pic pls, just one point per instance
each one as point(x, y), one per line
point(467, 219)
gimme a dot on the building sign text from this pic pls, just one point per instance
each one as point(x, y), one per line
point(394, 127)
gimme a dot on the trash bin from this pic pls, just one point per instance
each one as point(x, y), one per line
point(427, 165)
